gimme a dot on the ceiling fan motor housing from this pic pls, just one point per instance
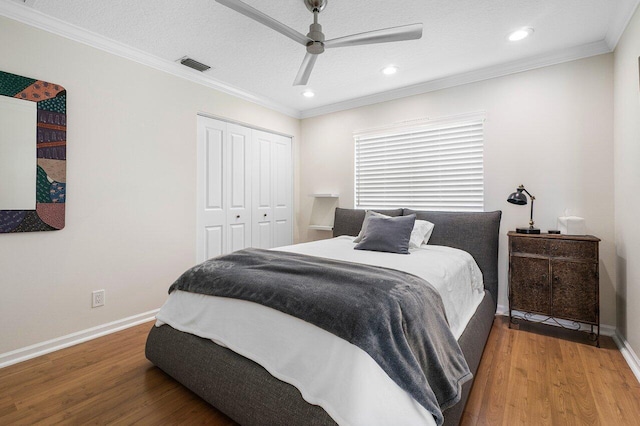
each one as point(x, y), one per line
point(315, 5)
point(315, 47)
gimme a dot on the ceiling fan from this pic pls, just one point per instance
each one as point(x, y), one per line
point(315, 41)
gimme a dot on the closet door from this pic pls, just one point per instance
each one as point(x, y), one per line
point(283, 191)
point(211, 195)
point(224, 188)
point(244, 189)
point(272, 191)
point(262, 190)
point(238, 185)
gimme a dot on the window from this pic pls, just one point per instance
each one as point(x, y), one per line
point(436, 165)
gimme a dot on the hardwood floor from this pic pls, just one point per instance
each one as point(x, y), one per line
point(532, 377)
point(544, 375)
point(103, 381)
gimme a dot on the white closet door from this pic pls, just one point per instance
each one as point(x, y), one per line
point(282, 190)
point(272, 191)
point(244, 189)
point(238, 182)
point(262, 190)
point(211, 194)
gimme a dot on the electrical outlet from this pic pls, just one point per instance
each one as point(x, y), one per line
point(97, 298)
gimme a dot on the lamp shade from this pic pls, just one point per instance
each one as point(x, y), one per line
point(518, 198)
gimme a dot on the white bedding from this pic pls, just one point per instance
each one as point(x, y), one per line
point(328, 371)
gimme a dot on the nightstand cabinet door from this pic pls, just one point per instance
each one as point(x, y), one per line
point(529, 287)
point(574, 293)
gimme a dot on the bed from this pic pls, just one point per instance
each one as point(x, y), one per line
point(251, 395)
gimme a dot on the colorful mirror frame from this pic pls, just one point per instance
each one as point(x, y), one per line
point(51, 153)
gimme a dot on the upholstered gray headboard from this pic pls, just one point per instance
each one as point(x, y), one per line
point(476, 233)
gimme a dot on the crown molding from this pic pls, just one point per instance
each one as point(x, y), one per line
point(501, 70)
point(27, 15)
point(619, 21)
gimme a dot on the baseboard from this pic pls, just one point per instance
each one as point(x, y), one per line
point(33, 351)
point(628, 353)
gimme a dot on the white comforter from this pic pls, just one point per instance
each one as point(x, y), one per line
point(328, 371)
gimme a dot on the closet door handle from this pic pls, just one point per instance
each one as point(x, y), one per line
point(237, 216)
point(265, 215)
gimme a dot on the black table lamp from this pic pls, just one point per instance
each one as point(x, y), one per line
point(520, 199)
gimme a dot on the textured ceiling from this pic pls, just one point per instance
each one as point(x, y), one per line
point(459, 36)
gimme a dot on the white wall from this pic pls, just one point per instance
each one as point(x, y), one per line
point(550, 129)
point(627, 180)
point(131, 173)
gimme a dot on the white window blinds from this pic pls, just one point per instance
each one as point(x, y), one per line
point(427, 167)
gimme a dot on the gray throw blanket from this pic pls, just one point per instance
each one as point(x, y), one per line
point(397, 318)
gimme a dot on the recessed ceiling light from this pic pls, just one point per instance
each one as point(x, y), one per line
point(520, 34)
point(391, 69)
point(308, 94)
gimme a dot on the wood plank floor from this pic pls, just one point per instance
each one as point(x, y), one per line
point(538, 376)
point(544, 375)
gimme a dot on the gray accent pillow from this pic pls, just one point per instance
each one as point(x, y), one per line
point(367, 216)
point(388, 234)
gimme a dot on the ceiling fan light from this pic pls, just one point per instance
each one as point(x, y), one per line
point(308, 94)
point(520, 34)
point(390, 70)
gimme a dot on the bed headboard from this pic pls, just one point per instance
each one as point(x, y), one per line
point(476, 233)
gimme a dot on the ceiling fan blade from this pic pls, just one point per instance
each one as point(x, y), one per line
point(264, 19)
point(305, 69)
point(405, 32)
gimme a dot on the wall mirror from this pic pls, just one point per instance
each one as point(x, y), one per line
point(33, 154)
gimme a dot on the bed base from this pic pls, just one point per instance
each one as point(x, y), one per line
point(246, 392)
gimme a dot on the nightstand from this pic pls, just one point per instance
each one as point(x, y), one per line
point(555, 276)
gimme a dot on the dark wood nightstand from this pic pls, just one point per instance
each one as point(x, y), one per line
point(555, 276)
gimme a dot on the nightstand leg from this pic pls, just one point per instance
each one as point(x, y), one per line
point(513, 322)
point(595, 336)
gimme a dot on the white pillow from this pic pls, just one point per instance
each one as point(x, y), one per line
point(364, 224)
point(421, 233)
